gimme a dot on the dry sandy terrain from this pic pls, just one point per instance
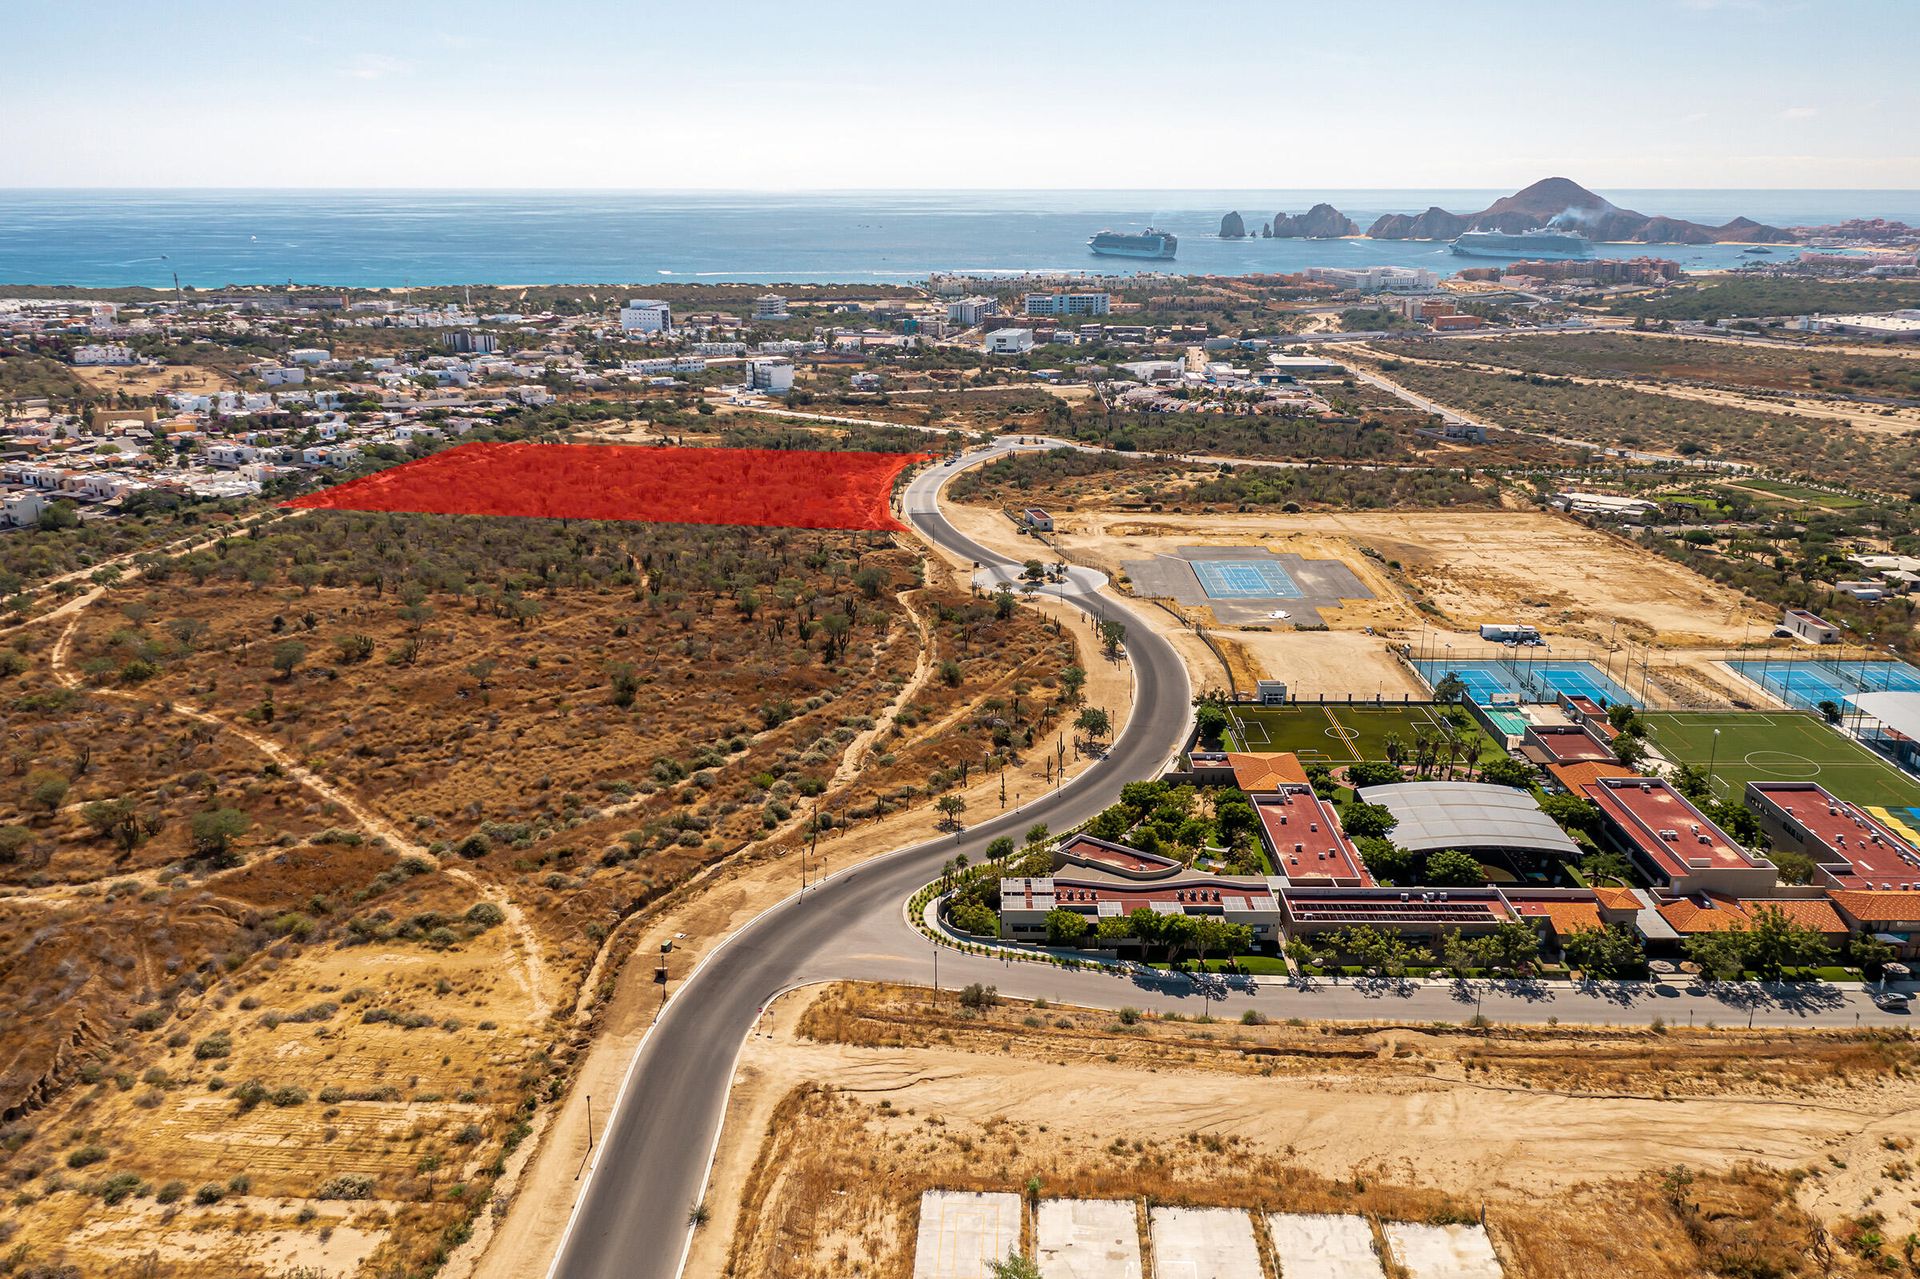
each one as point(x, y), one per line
point(1485, 566)
point(147, 379)
point(1407, 1123)
point(521, 1242)
point(1337, 664)
point(1897, 422)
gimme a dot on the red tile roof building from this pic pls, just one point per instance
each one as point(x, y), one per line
point(1675, 844)
point(1304, 838)
point(1850, 848)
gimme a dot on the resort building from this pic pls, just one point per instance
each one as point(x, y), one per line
point(644, 315)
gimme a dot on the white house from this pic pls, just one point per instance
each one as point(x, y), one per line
point(1009, 342)
point(310, 355)
point(277, 375)
point(22, 508)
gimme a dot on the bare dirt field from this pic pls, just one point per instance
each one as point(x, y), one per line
point(148, 379)
point(1794, 1148)
point(1489, 566)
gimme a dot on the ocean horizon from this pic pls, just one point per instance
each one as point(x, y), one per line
point(386, 238)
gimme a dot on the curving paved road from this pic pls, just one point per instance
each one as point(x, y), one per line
point(651, 1167)
point(651, 1164)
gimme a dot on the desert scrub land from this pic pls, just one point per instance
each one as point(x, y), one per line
point(310, 837)
point(1662, 359)
point(1639, 1152)
point(1830, 453)
point(1066, 478)
point(1725, 299)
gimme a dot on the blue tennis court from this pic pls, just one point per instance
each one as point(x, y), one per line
point(1807, 682)
point(1581, 679)
point(1244, 580)
point(1532, 682)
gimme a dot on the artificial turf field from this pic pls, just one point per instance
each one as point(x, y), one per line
point(1779, 746)
point(1339, 734)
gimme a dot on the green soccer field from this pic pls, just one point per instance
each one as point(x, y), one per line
point(1779, 746)
point(1339, 734)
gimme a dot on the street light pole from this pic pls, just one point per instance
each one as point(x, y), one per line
point(1713, 756)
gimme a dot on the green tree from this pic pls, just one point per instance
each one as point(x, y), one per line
point(1368, 820)
point(950, 806)
point(1451, 688)
point(1604, 953)
point(1868, 951)
point(1065, 927)
point(1454, 869)
point(1235, 819)
point(1720, 955)
point(1372, 773)
point(287, 655)
point(1604, 865)
point(1387, 862)
point(1513, 946)
point(1508, 772)
point(1574, 813)
point(116, 819)
point(46, 788)
point(1211, 721)
point(215, 830)
point(1776, 942)
point(1094, 722)
point(1112, 636)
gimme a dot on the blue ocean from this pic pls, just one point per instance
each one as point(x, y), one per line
point(385, 238)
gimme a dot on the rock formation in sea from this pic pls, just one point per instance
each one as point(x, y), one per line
point(1321, 222)
point(1435, 224)
point(1233, 227)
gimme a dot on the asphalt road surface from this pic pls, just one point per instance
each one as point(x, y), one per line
point(652, 1161)
point(651, 1164)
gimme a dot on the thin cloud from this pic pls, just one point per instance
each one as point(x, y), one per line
point(1799, 113)
point(375, 66)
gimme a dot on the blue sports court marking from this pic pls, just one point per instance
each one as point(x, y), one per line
point(1244, 580)
point(1806, 682)
point(1533, 681)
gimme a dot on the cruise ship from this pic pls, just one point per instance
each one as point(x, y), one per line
point(1527, 244)
point(1123, 244)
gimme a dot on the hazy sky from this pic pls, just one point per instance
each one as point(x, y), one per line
point(979, 93)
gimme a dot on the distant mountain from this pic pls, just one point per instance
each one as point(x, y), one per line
point(1565, 203)
point(1435, 224)
point(1321, 222)
point(1233, 227)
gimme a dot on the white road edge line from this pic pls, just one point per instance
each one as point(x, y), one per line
point(626, 1080)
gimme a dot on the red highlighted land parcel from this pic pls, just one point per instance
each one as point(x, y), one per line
point(786, 488)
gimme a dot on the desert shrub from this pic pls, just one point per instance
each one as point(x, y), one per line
point(347, 1185)
point(86, 1155)
point(218, 1044)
